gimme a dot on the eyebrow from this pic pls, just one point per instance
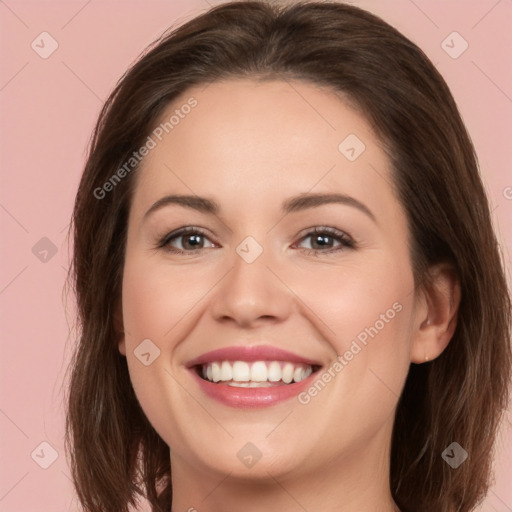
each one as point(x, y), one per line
point(293, 204)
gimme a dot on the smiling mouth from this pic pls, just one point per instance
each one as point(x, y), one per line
point(257, 374)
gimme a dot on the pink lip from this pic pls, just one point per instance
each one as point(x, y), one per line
point(250, 397)
point(247, 353)
point(245, 398)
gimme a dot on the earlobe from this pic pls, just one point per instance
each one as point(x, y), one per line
point(119, 327)
point(122, 345)
point(437, 318)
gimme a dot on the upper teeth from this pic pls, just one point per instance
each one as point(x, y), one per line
point(258, 371)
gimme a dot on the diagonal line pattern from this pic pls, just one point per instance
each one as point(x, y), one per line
point(197, 302)
point(13, 13)
point(13, 279)
point(14, 76)
point(198, 402)
point(282, 421)
point(216, 487)
point(504, 504)
point(486, 14)
point(66, 475)
point(82, 81)
point(76, 14)
point(13, 423)
point(14, 218)
point(300, 300)
point(383, 382)
point(288, 82)
point(14, 485)
point(287, 492)
point(390, 183)
point(424, 13)
point(492, 81)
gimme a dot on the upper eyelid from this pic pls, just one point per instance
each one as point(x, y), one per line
point(187, 230)
point(307, 232)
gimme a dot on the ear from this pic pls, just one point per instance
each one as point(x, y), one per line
point(119, 327)
point(436, 314)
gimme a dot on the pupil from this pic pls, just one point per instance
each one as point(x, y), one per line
point(192, 237)
point(320, 238)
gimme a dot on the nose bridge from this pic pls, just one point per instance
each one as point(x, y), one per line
point(251, 290)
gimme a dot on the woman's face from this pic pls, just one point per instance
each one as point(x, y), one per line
point(256, 275)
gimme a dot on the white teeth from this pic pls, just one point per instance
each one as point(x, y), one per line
point(216, 372)
point(288, 373)
point(256, 374)
point(241, 371)
point(274, 372)
point(226, 372)
point(259, 371)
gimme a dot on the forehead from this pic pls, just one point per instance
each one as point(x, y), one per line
point(244, 139)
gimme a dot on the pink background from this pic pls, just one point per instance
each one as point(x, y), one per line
point(48, 110)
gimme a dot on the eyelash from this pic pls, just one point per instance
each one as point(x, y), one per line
point(346, 241)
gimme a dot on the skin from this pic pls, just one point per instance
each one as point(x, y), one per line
point(249, 146)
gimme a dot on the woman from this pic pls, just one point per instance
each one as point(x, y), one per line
point(223, 363)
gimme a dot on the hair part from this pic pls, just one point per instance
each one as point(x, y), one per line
point(116, 455)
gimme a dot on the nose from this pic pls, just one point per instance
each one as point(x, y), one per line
point(252, 294)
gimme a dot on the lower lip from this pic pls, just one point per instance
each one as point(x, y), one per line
point(245, 398)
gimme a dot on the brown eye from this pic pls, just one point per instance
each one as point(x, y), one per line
point(189, 241)
point(323, 240)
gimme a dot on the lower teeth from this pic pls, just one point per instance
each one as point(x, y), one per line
point(254, 384)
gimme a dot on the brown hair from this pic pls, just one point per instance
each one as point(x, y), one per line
point(116, 455)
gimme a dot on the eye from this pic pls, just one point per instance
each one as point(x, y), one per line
point(323, 238)
point(190, 240)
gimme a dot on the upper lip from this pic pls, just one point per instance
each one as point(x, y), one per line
point(250, 353)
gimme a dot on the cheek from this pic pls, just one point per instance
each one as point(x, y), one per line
point(156, 298)
point(369, 300)
point(368, 311)
point(153, 313)
point(146, 310)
